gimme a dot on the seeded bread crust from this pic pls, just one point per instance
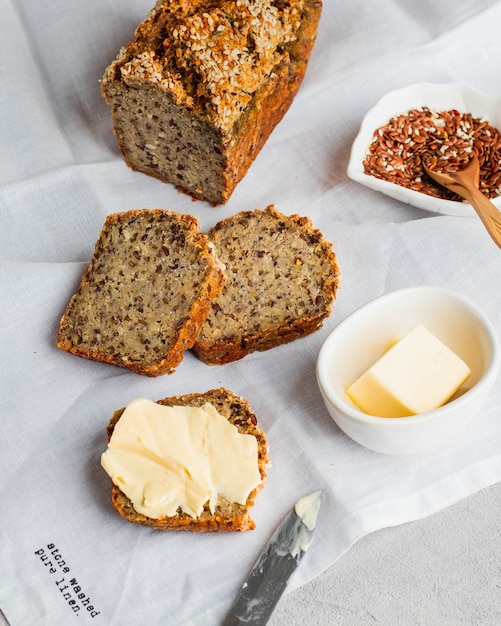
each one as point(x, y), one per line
point(198, 91)
point(227, 516)
point(144, 296)
point(282, 279)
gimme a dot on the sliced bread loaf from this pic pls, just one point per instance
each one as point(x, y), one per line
point(227, 516)
point(282, 278)
point(198, 91)
point(146, 293)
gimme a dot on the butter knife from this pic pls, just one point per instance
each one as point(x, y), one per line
point(263, 588)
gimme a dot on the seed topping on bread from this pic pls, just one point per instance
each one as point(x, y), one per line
point(196, 94)
point(217, 54)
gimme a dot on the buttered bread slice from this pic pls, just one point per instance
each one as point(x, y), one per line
point(282, 279)
point(144, 296)
point(194, 462)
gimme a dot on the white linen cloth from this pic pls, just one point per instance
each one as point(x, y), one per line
point(61, 174)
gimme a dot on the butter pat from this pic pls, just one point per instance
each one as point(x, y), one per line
point(416, 374)
point(163, 458)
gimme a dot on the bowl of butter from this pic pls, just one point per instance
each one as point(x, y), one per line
point(408, 371)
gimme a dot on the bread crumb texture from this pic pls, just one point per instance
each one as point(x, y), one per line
point(228, 516)
point(145, 294)
point(197, 92)
point(282, 279)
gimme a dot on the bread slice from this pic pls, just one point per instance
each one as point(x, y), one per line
point(146, 293)
point(198, 91)
point(228, 516)
point(282, 279)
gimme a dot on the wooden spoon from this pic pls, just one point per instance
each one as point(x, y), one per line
point(465, 183)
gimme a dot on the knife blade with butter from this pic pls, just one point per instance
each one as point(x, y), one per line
point(264, 586)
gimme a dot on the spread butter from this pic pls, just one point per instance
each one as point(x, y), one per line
point(168, 457)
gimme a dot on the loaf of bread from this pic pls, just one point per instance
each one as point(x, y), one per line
point(228, 516)
point(144, 296)
point(198, 91)
point(282, 279)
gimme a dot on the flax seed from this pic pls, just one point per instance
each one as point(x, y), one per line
point(444, 140)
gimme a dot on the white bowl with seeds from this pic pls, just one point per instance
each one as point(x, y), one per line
point(442, 123)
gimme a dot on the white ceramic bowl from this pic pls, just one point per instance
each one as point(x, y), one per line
point(359, 340)
point(441, 97)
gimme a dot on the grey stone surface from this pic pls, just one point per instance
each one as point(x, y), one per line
point(444, 570)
